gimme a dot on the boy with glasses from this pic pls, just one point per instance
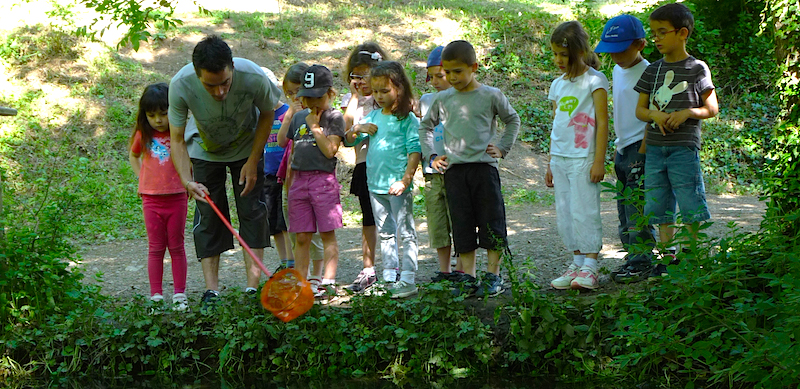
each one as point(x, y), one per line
point(675, 94)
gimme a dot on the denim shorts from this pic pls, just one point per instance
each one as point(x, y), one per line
point(672, 176)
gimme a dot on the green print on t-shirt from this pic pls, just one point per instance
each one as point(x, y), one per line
point(568, 104)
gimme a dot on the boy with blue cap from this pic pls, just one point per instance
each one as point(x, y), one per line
point(624, 38)
point(435, 195)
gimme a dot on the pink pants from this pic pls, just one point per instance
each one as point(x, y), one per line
point(165, 220)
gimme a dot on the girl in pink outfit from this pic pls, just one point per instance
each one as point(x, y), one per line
point(164, 199)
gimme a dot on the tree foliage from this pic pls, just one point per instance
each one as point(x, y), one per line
point(135, 15)
point(780, 18)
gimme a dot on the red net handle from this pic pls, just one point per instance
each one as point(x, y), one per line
point(238, 237)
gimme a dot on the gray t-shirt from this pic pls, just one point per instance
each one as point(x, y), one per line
point(470, 124)
point(221, 131)
point(306, 155)
point(698, 79)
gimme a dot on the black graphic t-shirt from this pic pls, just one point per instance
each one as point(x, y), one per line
point(307, 156)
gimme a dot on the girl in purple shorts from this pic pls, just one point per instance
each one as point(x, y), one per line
point(314, 204)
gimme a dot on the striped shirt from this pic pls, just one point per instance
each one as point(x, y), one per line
point(698, 79)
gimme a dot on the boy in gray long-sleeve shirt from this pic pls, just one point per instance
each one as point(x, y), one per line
point(469, 112)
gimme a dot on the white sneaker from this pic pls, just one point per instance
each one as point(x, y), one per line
point(587, 279)
point(565, 280)
point(180, 303)
point(156, 308)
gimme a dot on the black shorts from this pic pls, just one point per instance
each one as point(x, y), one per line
point(358, 187)
point(476, 207)
point(211, 237)
point(273, 193)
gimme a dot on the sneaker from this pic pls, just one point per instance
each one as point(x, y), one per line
point(284, 265)
point(402, 289)
point(466, 285)
point(441, 277)
point(156, 301)
point(209, 300)
point(314, 282)
point(180, 303)
point(620, 270)
point(587, 279)
point(277, 269)
point(659, 270)
point(565, 280)
point(632, 273)
point(362, 282)
point(491, 285)
point(325, 292)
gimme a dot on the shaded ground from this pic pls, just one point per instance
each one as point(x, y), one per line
point(532, 231)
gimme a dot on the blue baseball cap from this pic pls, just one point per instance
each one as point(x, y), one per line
point(619, 33)
point(435, 57)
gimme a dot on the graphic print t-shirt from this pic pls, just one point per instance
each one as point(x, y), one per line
point(273, 153)
point(698, 81)
point(574, 125)
point(158, 175)
point(307, 156)
point(221, 131)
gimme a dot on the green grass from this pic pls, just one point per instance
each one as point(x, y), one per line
point(521, 196)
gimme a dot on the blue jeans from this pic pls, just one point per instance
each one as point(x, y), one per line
point(629, 167)
point(673, 177)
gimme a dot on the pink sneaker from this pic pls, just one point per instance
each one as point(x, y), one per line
point(586, 278)
point(565, 280)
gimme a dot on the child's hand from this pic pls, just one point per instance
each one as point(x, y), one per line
point(548, 177)
point(353, 87)
point(677, 118)
point(660, 119)
point(440, 163)
point(597, 173)
point(312, 119)
point(295, 106)
point(494, 151)
point(367, 128)
point(398, 188)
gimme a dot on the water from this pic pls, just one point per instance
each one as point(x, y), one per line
point(215, 382)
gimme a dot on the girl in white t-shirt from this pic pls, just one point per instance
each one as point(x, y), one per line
point(577, 151)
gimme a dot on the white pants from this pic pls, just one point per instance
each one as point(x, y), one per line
point(394, 215)
point(577, 204)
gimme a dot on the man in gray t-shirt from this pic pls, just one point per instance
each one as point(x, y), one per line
point(231, 102)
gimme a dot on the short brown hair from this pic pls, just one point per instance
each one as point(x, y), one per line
point(461, 51)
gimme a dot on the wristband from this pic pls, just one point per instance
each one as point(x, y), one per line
point(430, 161)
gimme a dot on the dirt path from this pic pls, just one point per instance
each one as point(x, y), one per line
point(532, 232)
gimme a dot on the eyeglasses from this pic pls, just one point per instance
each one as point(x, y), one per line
point(291, 93)
point(359, 77)
point(661, 34)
